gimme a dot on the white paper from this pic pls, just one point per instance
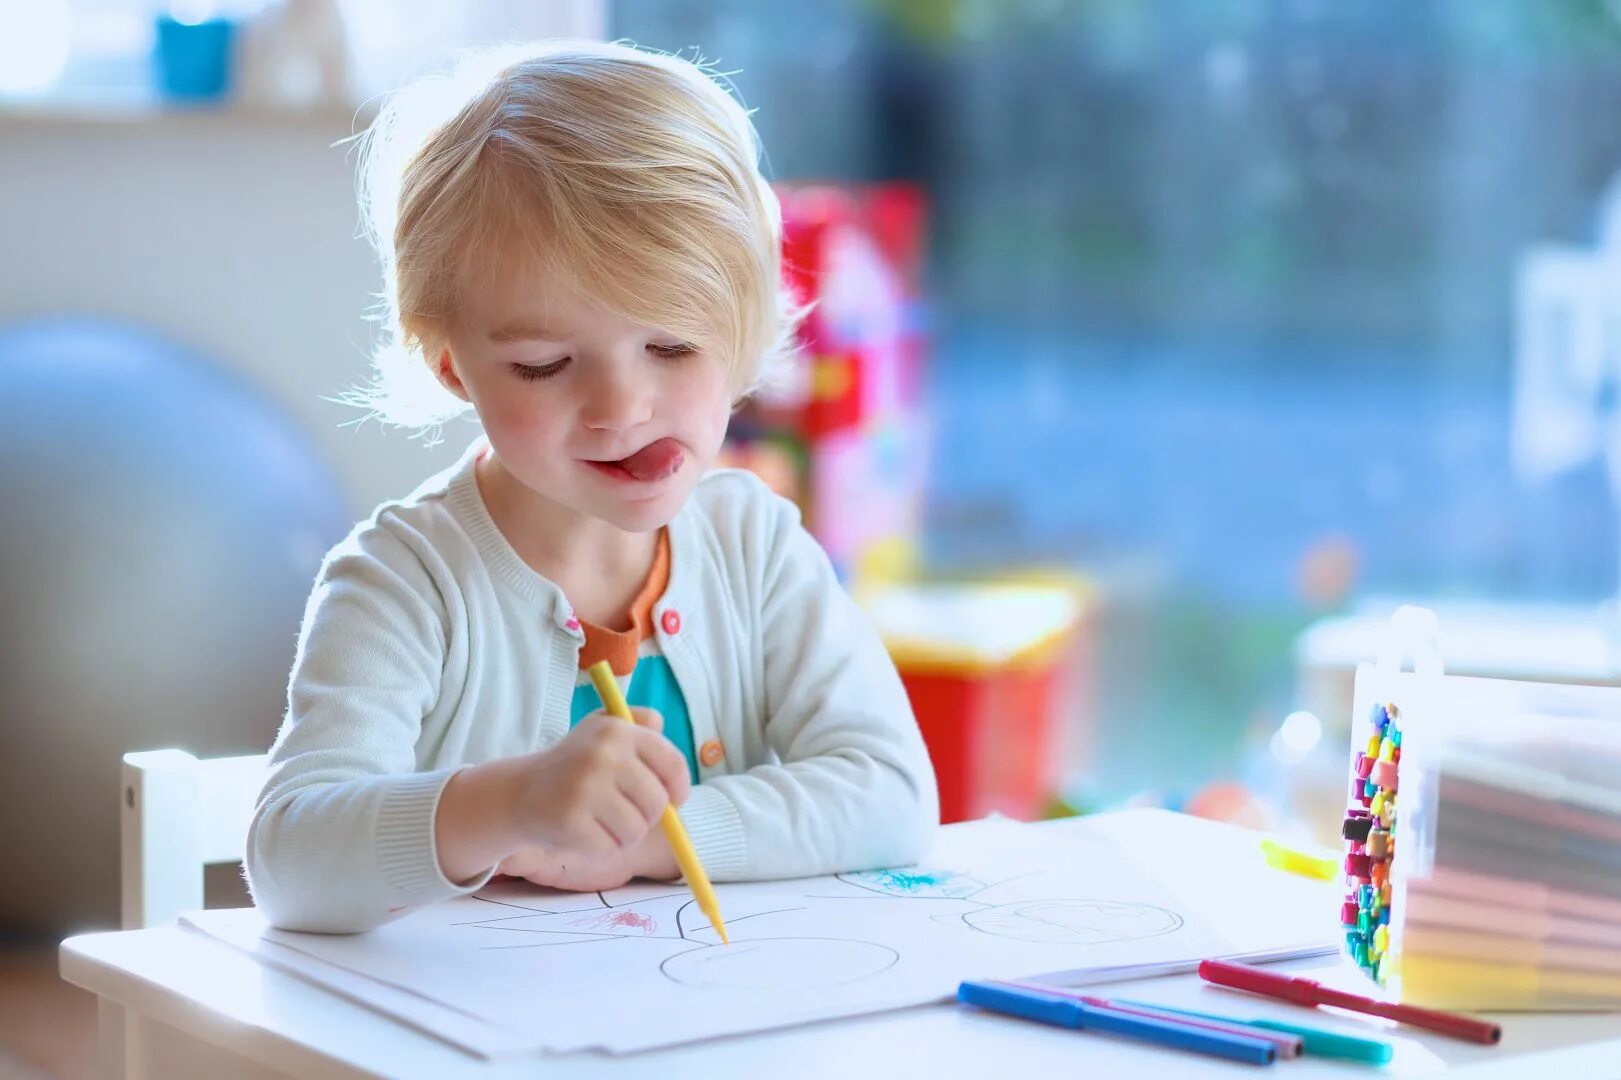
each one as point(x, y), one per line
point(519, 968)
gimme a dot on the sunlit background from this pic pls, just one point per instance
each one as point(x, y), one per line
point(1208, 334)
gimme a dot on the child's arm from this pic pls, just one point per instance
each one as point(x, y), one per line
point(855, 788)
point(342, 836)
point(347, 833)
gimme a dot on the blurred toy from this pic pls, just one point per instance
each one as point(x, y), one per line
point(848, 415)
point(193, 55)
point(1327, 572)
point(990, 666)
point(1221, 800)
point(1233, 803)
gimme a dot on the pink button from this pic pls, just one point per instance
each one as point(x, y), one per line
point(671, 621)
point(573, 623)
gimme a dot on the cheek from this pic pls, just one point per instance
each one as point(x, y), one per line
point(709, 404)
point(513, 412)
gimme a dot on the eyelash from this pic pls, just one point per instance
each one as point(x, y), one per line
point(535, 373)
point(532, 373)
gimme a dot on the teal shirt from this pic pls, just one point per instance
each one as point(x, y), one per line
point(652, 686)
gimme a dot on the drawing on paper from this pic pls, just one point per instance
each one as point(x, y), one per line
point(520, 967)
point(1052, 922)
point(780, 964)
point(913, 881)
point(1074, 922)
point(615, 921)
point(764, 958)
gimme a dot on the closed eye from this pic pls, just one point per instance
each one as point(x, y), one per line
point(684, 348)
point(531, 372)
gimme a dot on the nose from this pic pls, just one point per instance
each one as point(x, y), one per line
point(618, 396)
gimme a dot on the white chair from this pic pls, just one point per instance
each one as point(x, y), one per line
point(180, 814)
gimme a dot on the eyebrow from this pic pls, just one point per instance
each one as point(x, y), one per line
point(525, 332)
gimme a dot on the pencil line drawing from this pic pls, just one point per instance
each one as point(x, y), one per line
point(780, 964)
point(777, 962)
point(1049, 921)
point(550, 944)
point(1073, 922)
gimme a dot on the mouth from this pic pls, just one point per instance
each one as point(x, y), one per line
point(658, 460)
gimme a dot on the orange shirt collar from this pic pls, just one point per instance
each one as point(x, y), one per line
point(619, 647)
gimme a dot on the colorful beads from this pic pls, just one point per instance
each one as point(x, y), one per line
point(1369, 830)
point(1383, 775)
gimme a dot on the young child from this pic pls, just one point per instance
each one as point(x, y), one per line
point(578, 244)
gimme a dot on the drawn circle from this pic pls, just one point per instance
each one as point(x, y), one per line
point(1074, 922)
point(779, 964)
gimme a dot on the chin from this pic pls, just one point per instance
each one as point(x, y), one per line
point(644, 516)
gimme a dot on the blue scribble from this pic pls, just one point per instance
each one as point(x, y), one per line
point(915, 881)
point(900, 879)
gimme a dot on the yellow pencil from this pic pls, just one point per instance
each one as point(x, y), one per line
point(602, 677)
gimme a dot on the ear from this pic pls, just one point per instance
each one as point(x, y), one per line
point(444, 369)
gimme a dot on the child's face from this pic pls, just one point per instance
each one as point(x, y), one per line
point(600, 415)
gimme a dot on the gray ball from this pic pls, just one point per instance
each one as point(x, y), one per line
point(160, 527)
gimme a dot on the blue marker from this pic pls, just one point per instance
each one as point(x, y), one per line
point(1066, 1012)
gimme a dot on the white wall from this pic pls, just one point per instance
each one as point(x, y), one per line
point(234, 232)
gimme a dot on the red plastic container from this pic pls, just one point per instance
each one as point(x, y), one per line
point(985, 668)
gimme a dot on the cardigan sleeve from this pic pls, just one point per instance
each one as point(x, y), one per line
point(853, 787)
point(342, 837)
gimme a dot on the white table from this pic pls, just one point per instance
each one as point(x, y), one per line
point(179, 1004)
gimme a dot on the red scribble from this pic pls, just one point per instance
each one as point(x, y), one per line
point(617, 920)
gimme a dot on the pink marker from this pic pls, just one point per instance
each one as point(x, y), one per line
point(1288, 1046)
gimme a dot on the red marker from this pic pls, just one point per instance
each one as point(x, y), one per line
point(1309, 992)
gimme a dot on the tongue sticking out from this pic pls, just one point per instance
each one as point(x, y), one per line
point(655, 461)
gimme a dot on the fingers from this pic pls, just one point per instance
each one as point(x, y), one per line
point(669, 765)
point(622, 820)
point(645, 790)
point(658, 754)
point(600, 790)
point(648, 718)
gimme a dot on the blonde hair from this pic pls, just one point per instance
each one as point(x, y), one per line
point(634, 174)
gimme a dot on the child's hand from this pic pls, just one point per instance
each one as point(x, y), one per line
point(575, 873)
point(597, 793)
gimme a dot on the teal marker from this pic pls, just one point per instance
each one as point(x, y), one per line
point(1329, 1044)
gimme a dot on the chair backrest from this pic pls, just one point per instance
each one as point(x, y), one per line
point(180, 814)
